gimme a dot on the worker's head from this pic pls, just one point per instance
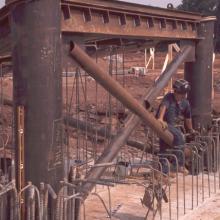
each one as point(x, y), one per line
point(181, 87)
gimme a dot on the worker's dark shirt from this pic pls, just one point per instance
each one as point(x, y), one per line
point(174, 110)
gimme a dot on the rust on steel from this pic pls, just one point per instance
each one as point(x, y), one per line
point(5, 59)
point(101, 18)
point(98, 50)
point(37, 80)
point(118, 91)
point(123, 19)
point(123, 135)
point(131, 7)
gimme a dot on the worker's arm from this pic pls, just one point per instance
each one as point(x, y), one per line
point(188, 119)
point(161, 116)
point(162, 112)
point(188, 122)
point(164, 105)
point(189, 127)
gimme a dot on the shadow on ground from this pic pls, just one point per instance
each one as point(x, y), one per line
point(126, 216)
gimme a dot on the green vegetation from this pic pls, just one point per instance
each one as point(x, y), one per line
point(208, 8)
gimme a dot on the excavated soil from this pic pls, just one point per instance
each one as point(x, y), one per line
point(125, 199)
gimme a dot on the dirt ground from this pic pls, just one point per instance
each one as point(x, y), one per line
point(126, 200)
point(126, 203)
point(209, 210)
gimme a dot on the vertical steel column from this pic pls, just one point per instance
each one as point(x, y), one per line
point(36, 34)
point(199, 75)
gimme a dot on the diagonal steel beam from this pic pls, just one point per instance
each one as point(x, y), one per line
point(114, 147)
point(115, 89)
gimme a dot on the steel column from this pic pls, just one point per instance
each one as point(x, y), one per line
point(36, 32)
point(199, 75)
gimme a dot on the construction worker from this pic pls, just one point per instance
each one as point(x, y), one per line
point(172, 109)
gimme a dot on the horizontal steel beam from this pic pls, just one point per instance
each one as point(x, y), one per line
point(102, 132)
point(100, 51)
point(137, 8)
point(119, 19)
point(101, 18)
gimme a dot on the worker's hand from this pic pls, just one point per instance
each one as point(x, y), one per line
point(193, 132)
point(163, 124)
point(190, 136)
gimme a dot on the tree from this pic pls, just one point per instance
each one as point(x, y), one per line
point(207, 8)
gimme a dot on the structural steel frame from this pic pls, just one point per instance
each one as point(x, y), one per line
point(92, 23)
point(98, 19)
point(123, 19)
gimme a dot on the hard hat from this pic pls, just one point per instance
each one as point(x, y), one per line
point(181, 86)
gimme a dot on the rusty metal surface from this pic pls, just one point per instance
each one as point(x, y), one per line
point(100, 48)
point(37, 87)
point(199, 74)
point(114, 147)
point(91, 21)
point(6, 58)
point(99, 18)
point(118, 92)
point(5, 35)
point(129, 7)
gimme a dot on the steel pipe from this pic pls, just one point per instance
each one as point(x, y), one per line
point(102, 132)
point(118, 92)
point(115, 145)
